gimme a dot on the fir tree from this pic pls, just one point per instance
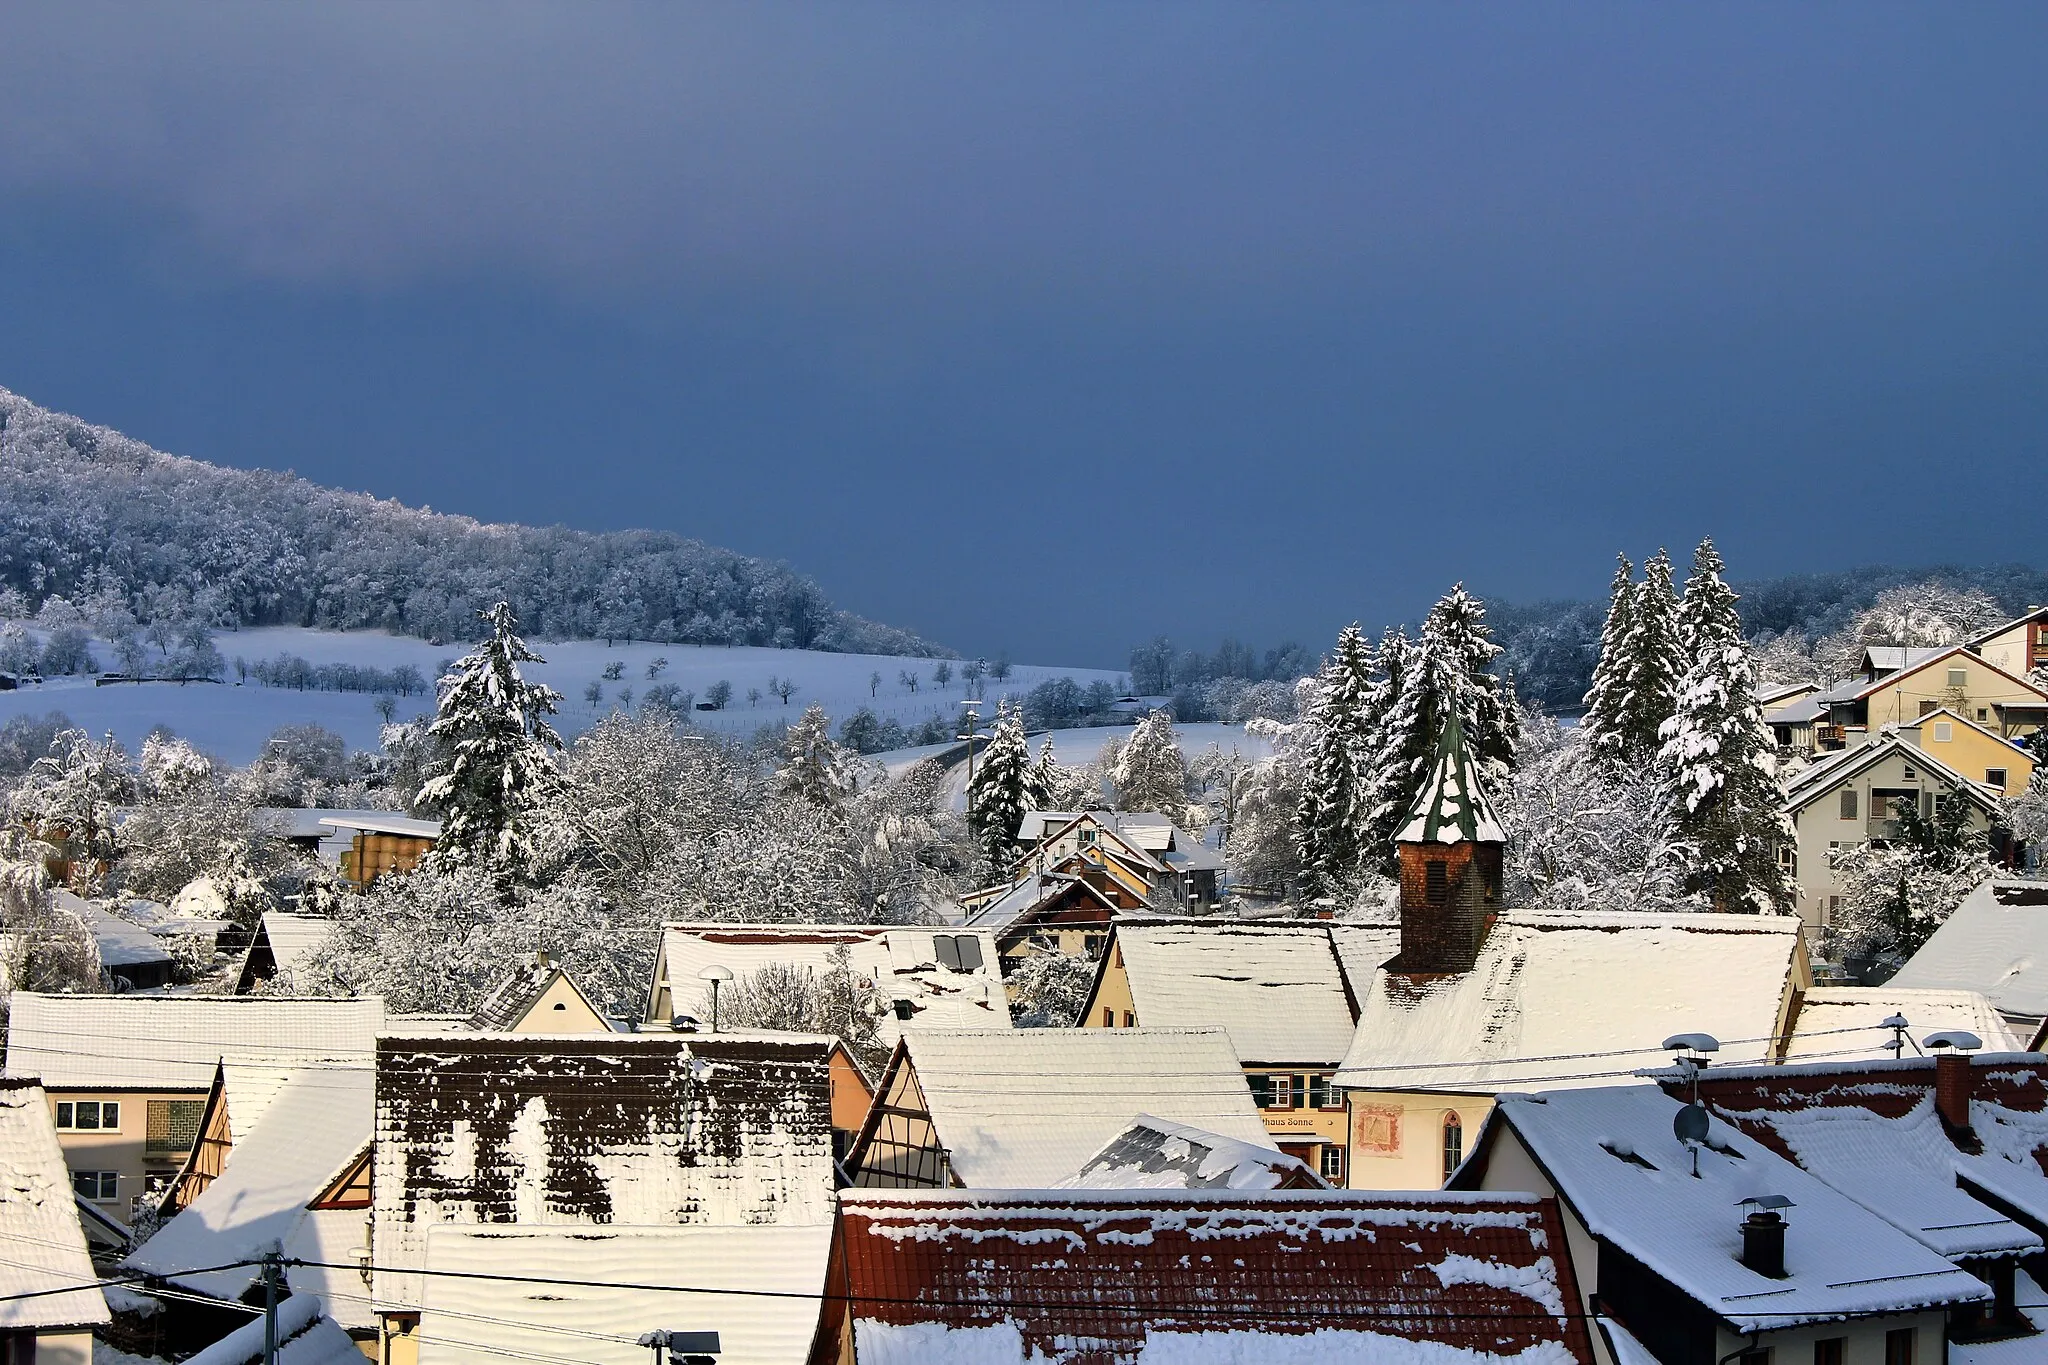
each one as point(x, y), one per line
point(1607, 699)
point(1150, 772)
point(1329, 817)
point(495, 751)
point(1654, 659)
point(1463, 646)
point(1718, 756)
point(1048, 785)
point(814, 768)
point(1401, 723)
point(997, 800)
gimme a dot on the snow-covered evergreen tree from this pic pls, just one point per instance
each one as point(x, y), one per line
point(1654, 658)
point(1151, 773)
point(1401, 721)
point(495, 751)
point(1607, 699)
point(1051, 785)
point(1335, 765)
point(1463, 645)
point(997, 800)
point(1719, 757)
point(814, 768)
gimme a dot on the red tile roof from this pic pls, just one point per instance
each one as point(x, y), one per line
point(1084, 1277)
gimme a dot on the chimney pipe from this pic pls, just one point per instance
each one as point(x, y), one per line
point(1763, 1243)
point(1952, 1085)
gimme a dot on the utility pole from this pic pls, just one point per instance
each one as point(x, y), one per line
point(973, 718)
point(270, 1274)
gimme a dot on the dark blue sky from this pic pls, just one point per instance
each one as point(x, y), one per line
point(1049, 329)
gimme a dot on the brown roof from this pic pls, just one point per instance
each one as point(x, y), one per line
point(1083, 1278)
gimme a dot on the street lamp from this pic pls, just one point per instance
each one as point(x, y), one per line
point(717, 976)
point(973, 718)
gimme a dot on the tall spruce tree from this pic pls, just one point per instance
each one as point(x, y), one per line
point(1655, 657)
point(1329, 817)
point(1465, 650)
point(1607, 698)
point(814, 768)
point(1403, 737)
point(494, 751)
point(998, 798)
point(1718, 755)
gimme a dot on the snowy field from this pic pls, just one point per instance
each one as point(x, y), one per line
point(1073, 748)
point(232, 721)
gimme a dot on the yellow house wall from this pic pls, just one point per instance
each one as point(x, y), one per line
point(64, 1348)
point(1112, 993)
point(1972, 752)
point(1819, 825)
point(1415, 1161)
point(2008, 650)
point(561, 1010)
point(124, 1150)
point(1898, 698)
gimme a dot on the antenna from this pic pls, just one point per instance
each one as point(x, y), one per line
point(1897, 1046)
point(1695, 1046)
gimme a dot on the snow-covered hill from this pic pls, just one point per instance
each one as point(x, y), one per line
point(233, 721)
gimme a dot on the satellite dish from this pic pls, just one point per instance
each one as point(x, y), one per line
point(1692, 1042)
point(1690, 1124)
point(1956, 1038)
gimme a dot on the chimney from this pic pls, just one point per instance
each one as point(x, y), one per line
point(1450, 851)
point(1952, 1084)
point(1763, 1243)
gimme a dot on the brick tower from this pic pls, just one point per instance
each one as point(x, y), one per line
point(1450, 851)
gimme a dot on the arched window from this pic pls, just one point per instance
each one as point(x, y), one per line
point(1454, 1142)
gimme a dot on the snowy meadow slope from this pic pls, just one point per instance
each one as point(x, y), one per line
point(232, 720)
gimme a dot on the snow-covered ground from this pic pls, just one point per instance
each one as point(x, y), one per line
point(233, 721)
point(1073, 748)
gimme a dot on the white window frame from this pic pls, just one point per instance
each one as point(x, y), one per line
point(106, 1116)
point(1944, 731)
point(1995, 777)
point(1330, 1165)
point(105, 1184)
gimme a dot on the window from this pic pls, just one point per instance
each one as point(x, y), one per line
point(1831, 1351)
point(1959, 677)
point(88, 1116)
point(1928, 708)
point(1323, 1095)
point(1454, 1142)
point(1848, 803)
point(1436, 882)
point(1108, 1017)
point(1944, 732)
point(1911, 776)
point(1983, 715)
point(1995, 777)
point(1898, 1346)
point(1788, 859)
point(171, 1127)
point(1271, 1092)
point(1332, 1164)
point(94, 1184)
point(1084, 837)
point(1130, 1019)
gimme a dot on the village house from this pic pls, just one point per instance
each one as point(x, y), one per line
point(538, 997)
point(281, 944)
point(1480, 999)
point(50, 1300)
point(1855, 797)
point(923, 977)
point(1995, 944)
point(1063, 912)
point(1947, 1148)
point(1029, 1108)
point(1075, 1277)
point(1896, 686)
point(129, 954)
point(584, 1133)
point(1175, 866)
point(1716, 1249)
point(1280, 989)
point(2003, 767)
point(129, 1077)
point(2019, 646)
point(1848, 1022)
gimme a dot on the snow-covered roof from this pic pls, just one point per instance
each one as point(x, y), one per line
point(1986, 636)
point(305, 1335)
point(1902, 1169)
point(45, 1247)
point(588, 1129)
point(1159, 1154)
point(1916, 660)
point(1848, 1021)
point(1453, 805)
point(383, 822)
point(779, 1269)
point(1049, 1277)
point(1025, 1108)
point(119, 943)
point(1996, 943)
point(1614, 1159)
point(1031, 891)
point(522, 989)
point(1575, 999)
point(1888, 659)
point(1805, 711)
point(162, 1042)
point(1766, 695)
point(904, 961)
point(319, 1121)
point(293, 938)
point(1811, 784)
point(1277, 988)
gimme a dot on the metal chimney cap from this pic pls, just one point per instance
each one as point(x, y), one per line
point(1773, 1202)
point(1692, 1042)
point(1955, 1038)
point(683, 1023)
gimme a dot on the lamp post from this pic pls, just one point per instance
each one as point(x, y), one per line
point(973, 718)
point(717, 976)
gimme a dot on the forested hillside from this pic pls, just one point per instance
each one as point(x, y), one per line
point(86, 512)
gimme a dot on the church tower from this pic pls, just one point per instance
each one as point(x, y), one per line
point(1450, 850)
